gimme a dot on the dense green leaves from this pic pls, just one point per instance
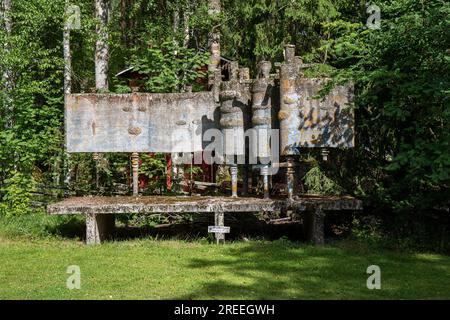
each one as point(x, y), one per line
point(169, 67)
point(401, 74)
point(402, 78)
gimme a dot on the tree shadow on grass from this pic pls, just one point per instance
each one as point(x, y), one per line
point(242, 226)
point(70, 227)
point(283, 270)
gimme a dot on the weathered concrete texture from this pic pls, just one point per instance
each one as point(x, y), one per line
point(139, 122)
point(309, 122)
point(289, 115)
point(313, 224)
point(100, 210)
point(327, 122)
point(233, 112)
point(262, 109)
point(158, 204)
point(98, 227)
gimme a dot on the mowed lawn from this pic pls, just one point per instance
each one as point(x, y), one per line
point(145, 269)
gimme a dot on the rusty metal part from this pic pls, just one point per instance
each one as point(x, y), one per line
point(234, 181)
point(290, 176)
point(135, 169)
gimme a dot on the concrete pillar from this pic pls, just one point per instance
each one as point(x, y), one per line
point(313, 223)
point(135, 167)
point(290, 177)
point(265, 174)
point(98, 227)
point(234, 181)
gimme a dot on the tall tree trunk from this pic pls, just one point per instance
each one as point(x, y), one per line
point(8, 111)
point(214, 71)
point(214, 38)
point(101, 58)
point(101, 45)
point(176, 27)
point(5, 11)
point(186, 16)
point(124, 22)
point(67, 86)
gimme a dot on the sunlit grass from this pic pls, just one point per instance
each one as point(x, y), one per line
point(144, 269)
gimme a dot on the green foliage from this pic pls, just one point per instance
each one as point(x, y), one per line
point(170, 67)
point(16, 195)
point(402, 79)
point(401, 75)
point(367, 230)
point(316, 182)
point(154, 168)
point(257, 30)
point(38, 225)
point(33, 103)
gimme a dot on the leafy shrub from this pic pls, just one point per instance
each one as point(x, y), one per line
point(316, 182)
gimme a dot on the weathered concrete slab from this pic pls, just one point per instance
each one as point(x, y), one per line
point(159, 204)
point(98, 227)
point(139, 122)
point(327, 122)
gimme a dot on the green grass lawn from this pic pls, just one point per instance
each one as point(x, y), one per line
point(145, 269)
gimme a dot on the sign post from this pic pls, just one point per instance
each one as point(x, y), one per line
point(219, 229)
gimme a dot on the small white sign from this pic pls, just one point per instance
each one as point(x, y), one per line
point(217, 229)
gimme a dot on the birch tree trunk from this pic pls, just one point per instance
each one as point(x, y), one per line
point(186, 31)
point(101, 58)
point(101, 45)
point(8, 111)
point(214, 39)
point(176, 26)
point(5, 10)
point(67, 86)
point(67, 57)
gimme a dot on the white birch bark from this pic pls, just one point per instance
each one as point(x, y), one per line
point(214, 37)
point(102, 10)
point(101, 45)
point(5, 10)
point(186, 16)
point(67, 86)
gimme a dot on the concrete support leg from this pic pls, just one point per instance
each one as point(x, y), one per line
point(234, 181)
point(219, 219)
point(313, 223)
point(98, 227)
point(290, 176)
point(265, 174)
point(135, 167)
